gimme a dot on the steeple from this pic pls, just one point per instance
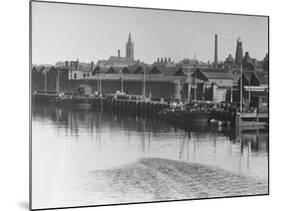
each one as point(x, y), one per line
point(130, 48)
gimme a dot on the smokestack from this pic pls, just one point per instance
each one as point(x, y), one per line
point(169, 59)
point(66, 63)
point(119, 53)
point(216, 51)
point(165, 59)
point(158, 60)
point(77, 64)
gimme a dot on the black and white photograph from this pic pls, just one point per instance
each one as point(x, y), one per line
point(137, 105)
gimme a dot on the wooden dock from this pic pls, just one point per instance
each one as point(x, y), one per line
point(130, 106)
point(143, 107)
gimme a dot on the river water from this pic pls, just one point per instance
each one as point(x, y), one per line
point(75, 152)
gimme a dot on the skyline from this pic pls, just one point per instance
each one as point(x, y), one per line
point(66, 32)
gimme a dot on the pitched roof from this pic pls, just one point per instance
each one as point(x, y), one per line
point(99, 69)
point(155, 70)
point(180, 72)
point(214, 73)
point(138, 70)
point(113, 60)
point(248, 74)
point(263, 78)
point(111, 70)
point(126, 70)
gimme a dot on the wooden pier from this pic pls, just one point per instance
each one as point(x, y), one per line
point(143, 107)
point(130, 106)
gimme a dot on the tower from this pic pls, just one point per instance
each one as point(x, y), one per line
point(239, 52)
point(130, 48)
point(216, 52)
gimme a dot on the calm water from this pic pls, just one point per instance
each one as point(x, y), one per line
point(70, 144)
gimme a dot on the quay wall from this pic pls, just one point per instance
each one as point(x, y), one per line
point(163, 89)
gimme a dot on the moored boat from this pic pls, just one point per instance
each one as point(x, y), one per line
point(187, 117)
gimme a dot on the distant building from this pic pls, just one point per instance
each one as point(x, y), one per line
point(118, 61)
point(247, 62)
point(239, 52)
point(163, 62)
point(229, 62)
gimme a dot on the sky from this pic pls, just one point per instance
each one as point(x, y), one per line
point(89, 33)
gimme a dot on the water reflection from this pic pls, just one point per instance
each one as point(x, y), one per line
point(68, 144)
point(191, 142)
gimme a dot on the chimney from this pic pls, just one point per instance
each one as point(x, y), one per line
point(216, 51)
point(71, 63)
point(169, 59)
point(161, 60)
point(66, 63)
point(77, 64)
point(158, 60)
point(119, 53)
point(165, 59)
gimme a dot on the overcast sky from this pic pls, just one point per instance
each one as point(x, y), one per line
point(66, 32)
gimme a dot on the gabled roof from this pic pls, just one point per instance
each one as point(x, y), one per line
point(126, 70)
point(99, 69)
point(213, 73)
point(111, 70)
point(263, 78)
point(155, 70)
point(167, 70)
point(138, 70)
point(180, 72)
point(248, 74)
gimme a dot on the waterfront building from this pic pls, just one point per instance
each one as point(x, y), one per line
point(255, 89)
point(212, 84)
point(239, 52)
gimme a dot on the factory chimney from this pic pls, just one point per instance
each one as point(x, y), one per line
point(118, 53)
point(216, 52)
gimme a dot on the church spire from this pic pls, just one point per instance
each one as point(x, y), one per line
point(130, 48)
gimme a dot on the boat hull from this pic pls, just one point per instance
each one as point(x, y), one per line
point(197, 118)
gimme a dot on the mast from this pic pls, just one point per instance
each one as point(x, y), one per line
point(231, 88)
point(195, 79)
point(58, 81)
point(100, 83)
point(249, 97)
point(143, 88)
point(97, 79)
point(45, 87)
point(189, 83)
point(121, 76)
point(195, 87)
point(241, 87)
